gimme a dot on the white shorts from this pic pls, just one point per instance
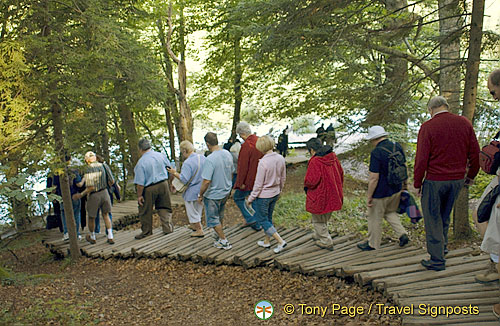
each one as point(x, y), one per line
point(194, 209)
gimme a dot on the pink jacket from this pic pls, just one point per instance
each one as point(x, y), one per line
point(270, 178)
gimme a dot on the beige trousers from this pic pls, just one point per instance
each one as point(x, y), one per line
point(320, 224)
point(383, 208)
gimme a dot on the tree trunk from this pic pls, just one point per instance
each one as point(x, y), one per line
point(171, 100)
point(238, 97)
point(123, 151)
point(171, 136)
point(64, 180)
point(396, 72)
point(128, 125)
point(450, 29)
point(186, 120)
point(461, 225)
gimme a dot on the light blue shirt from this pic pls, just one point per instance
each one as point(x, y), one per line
point(218, 168)
point(151, 168)
point(190, 167)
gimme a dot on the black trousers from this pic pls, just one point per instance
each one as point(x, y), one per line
point(438, 198)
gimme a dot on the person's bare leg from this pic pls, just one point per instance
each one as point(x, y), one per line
point(277, 237)
point(220, 232)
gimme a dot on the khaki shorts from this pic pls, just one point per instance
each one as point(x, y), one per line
point(98, 200)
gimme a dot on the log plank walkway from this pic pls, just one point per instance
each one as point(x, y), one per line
point(396, 272)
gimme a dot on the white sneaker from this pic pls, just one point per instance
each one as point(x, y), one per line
point(262, 244)
point(80, 238)
point(65, 237)
point(280, 247)
point(220, 245)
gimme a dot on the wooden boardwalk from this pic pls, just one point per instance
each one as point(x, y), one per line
point(396, 272)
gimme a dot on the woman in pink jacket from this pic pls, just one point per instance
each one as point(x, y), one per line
point(269, 182)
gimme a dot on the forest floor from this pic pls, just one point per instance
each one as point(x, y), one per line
point(36, 289)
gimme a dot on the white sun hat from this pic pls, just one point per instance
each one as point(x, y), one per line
point(376, 132)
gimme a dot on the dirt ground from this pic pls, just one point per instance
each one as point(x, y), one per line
point(164, 292)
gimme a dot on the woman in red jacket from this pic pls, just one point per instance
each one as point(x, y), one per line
point(323, 185)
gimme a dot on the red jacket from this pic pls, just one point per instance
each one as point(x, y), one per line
point(323, 182)
point(248, 160)
point(447, 149)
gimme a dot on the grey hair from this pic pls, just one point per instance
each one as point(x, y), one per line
point(436, 102)
point(495, 77)
point(144, 144)
point(187, 146)
point(243, 128)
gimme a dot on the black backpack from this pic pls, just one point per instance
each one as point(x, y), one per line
point(397, 171)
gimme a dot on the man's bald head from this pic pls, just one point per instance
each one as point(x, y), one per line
point(494, 84)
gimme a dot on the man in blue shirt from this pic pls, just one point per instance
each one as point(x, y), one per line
point(216, 187)
point(383, 197)
point(152, 182)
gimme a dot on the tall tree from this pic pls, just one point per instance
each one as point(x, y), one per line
point(450, 31)
point(461, 224)
point(185, 117)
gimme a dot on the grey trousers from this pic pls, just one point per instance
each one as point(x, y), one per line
point(438, 198)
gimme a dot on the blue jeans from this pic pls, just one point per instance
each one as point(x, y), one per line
point(97, 228)
point(264, 208)
point(214, 211)
point(76, 214)
point(239, 198)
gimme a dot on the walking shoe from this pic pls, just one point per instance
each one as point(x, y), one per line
point(491, 275)
point(430, 266)
point(111, 241)
point(256, 228)
point(262, 244)
point(89, 239)
point(198, 234)
point(142, 235)
point(446, 251)
point(365, 246)
point(280, 247)
point(220, 245)
point(403, 240)
point(80, 237)
point(323, 246)
point(65, 237)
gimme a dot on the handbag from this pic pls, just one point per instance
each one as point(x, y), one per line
point(486, 206)
point(181, 187)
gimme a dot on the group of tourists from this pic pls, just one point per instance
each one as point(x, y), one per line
point(447, 159)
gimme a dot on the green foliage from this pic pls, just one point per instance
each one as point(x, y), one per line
point(43, 312)
point(480, 182)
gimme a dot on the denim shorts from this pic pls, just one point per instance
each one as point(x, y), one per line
point(214, 211)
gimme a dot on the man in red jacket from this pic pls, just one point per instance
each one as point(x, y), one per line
point(383, 196)
point(323, 185)
point(447, 150)
point(248, 160)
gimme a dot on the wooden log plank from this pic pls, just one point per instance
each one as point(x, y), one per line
point(461, 279)
point(425, 275)
point(263, 257)
point(448, 289)
point(464, 296)
point(481, 319)
point(366, 277)
point(491, 300)
point(399, 260)
point(354, 255)
point(235, 233)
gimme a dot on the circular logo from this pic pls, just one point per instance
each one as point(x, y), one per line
point(264, 310)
